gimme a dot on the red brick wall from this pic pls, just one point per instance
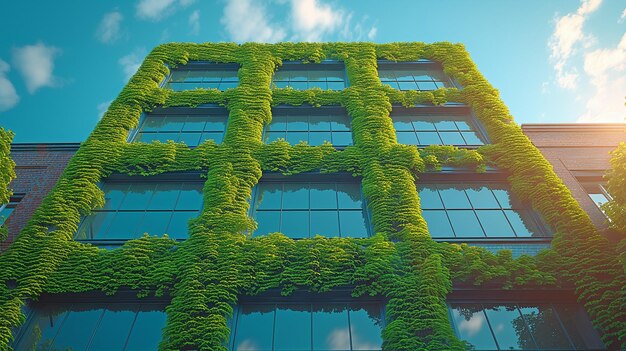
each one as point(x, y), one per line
point(38, 167)
point(577, 150)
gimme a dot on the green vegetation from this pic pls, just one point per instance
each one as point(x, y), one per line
point(205, 275)
point(7, 173)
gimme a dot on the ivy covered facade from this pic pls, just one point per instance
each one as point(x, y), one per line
point(220, 265)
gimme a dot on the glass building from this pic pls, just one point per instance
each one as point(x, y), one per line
point(185, 169)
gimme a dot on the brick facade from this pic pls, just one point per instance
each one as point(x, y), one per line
point(579, 153)
point(38, 167)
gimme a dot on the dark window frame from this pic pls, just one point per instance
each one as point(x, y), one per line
point(14, 201)
point(286, 110)
point(314, 177)
point(445, 110)
point(173, 177)
point(160, 112)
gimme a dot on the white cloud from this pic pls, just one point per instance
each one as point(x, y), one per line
point(622, 17)
point(372, 33)
point(606, 69)
point(102, 108)
point(8, 95)
point(131, 62)
point(36, 63)
point(109, 28)
point(567, 34)
point(194, 22)
point(246, 20)
point(311, 19)
point(473, 326)
point(156, 10)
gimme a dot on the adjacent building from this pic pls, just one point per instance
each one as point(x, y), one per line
point(163, 230)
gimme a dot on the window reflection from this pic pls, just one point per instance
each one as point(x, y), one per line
point(477, 211)
point(413, 79)
point(415, 128)
point(94, 327)
point(524, 327)
point(323, 327)
point(191, 129)
point(305, 209)
point(308, 76)
point(312, 126)
point(211, 76)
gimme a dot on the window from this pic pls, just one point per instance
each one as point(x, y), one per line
point(443, 126)
point(190, 126)
point(477, 210)
point(204, 76)
point(516, 326)
point(597, 193)
point(423, 76)
point(300, 76)
point(303, 209)
point(308, 326)
point(312, 125)
point(6, 210)
point(132, 208)
point(93, 326)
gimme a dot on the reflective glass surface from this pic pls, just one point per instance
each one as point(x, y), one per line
point(295, 126)
point(524, 327)
point(305, 209)
point(132, 209)
point(93, 327)
point(302, 77)
point(189, 129)
point(219, 77)
point(306, 327)
point(424, 130)
point(413, 79)
point(6, 212)
point(476, 211)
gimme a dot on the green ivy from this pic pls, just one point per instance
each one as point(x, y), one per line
point(206, 274)
point(7, 173)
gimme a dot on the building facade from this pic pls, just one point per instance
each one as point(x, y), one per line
point(341, 196)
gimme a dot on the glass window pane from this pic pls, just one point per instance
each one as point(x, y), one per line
point(280, 75)
point(522, 223)
point(255, 325)
point(173, 123)
point(426, 86)
point(295, 196)
point(147, 330)
point(318, 138)
point(113, 330)
point(336, 85)
point(386, 75)
point(340, 123)
point(506, 199)
point(179, 224)
point(42, 331)
point(165, 196)
point(352, 224)
point(422, 125)
point(392, 84)
point(114, 194)
point(365, 327)
point(194, 124)
point(341, 138)
point(321, 85)
point(495, 223)
point(228, 85)
point(428, 138)
point(295, 224)
point(407, 138)
point(445, 124)
point(471, 326)
point(215, 124)
point(190, 197)
point(297, 123)
point(429, 198)
point(323, 196)
point(472, 138)
point(293, 328)
point(578, 327)
point(349, 196)
point(268, 222)
point(217, 137)
point(165, 137)
point(154, 223)
point(76, 330)
point(281, 84)
point(509, 327)
point(405, 75)
point(279, 123)
point(273, 136)
point(95, 226)
point(452, 138)
point(463, 126)
point(269, 196)
point(330, 328)
point(190, 139)
point(319, 123)
point(546, 328)
point(138, 196)
point(407, 85)
point(178, 76)
point(295, 138)
point(465, 223)
point(299, 85)
point(438, 223)
point(325, 223)
point(482, 198)
point(124, 226)
point(403, 123)
point(454, 198)
point(335, 76)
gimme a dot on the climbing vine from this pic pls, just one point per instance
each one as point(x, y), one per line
point(7, 173)
point(205, 275)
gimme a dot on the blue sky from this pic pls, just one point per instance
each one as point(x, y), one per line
point(61, 63)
